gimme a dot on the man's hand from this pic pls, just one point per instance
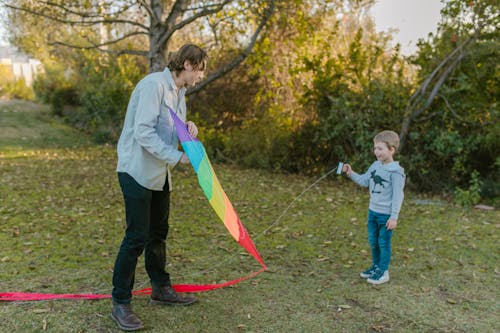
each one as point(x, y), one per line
point(184, 159)
point(192, 129)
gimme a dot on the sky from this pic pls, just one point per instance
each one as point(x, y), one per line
point(413, 18)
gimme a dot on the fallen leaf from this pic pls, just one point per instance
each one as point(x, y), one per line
point(377, 328)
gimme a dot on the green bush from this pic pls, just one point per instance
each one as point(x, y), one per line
point(18, 89)
point(11, 87)
point(106, 85)
point(57, 86)
point(259, 143)
point(93, 98)
point(472, 195)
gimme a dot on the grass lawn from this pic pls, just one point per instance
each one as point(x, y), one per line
point(62, 219)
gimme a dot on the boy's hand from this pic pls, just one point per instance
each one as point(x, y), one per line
point(391, 224)
point(347, 169)
point(192, 129)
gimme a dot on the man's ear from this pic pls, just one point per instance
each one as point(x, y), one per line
point(188, 66)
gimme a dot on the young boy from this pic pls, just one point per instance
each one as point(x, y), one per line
point(385, 179)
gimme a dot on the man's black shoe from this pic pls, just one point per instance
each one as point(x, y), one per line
point(125, 317)
point(168, 296)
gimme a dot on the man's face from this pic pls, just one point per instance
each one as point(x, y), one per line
point(192, 75)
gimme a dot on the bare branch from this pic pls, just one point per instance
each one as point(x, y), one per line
point(84, 14)
point(208, 5)
point(180, 7)
point(418, 102)
point(76, 22)
point(98, 46)
point(205, 12)
point(240, 58)
point(146, 7)
point(449, 107)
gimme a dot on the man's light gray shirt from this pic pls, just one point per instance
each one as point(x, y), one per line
point(148, 144)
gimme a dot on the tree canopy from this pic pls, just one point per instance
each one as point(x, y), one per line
point(294, 85)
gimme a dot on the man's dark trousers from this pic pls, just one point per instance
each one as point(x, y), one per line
point(146, 213)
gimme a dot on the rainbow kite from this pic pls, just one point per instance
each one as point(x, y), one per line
point(220, 203)
point(211, 187)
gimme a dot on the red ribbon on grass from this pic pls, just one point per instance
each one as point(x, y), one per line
point(218, 200)
point(191, 288)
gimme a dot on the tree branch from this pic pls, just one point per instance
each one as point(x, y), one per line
point(83, 14)
point(449, 107)
point(76, 22)
point(180, 7)
point(143, 4)
point(240, 58)
point(98, 47)
point(413, 109)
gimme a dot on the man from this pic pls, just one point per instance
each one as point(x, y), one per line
point(147, 151)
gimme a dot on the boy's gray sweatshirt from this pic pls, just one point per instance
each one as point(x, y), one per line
point(386, 183)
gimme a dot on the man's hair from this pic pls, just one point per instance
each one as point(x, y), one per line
point(390, 138)
point(196, 56)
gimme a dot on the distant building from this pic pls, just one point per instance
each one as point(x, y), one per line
point(21, 65)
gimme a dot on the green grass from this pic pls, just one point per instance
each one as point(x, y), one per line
point(61, 222)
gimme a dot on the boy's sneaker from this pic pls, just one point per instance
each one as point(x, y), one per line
point(368, 273)
point(379, 277)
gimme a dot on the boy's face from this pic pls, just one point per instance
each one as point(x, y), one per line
point(383, 153)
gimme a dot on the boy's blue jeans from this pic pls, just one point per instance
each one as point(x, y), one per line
point(380, 239)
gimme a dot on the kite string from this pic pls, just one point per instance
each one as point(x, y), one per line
point(222, 262)
point(293, 201)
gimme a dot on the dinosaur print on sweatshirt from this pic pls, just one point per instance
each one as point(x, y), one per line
point(378, 181)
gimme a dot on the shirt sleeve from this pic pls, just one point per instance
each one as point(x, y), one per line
point(146, 121)
point(362, 180)
point(398, 183)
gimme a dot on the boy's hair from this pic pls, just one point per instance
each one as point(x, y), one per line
point(390, 138)
point(196, 56)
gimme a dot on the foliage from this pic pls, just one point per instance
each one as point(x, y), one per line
point(261, 142)
point(314, 90)
point(13, 88)
point(106, 84)
point(90, 90)
point(62, 222)
point(56, 86)
point(459, 132)
point(472, 194)
point(353, 96)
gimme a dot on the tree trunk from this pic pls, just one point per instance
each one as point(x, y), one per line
point(423, 98)
point(156, 55)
